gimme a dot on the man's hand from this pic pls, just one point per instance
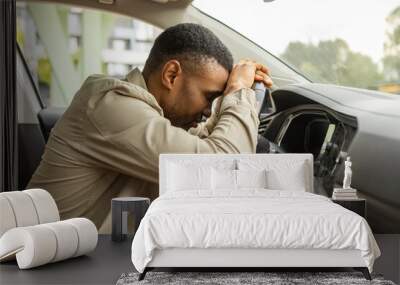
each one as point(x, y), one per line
point(245, 73)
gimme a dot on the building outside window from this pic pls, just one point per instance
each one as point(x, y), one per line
point(64, 44)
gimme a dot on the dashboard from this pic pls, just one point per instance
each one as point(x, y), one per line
point(310, 128)
point(333, 122)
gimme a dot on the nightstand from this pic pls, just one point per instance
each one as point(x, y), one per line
point(120, 208)
point(358, 205)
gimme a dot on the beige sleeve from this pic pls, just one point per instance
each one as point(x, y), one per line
point(130, 142)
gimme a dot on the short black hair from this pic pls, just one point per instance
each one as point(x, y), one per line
point(190, 43)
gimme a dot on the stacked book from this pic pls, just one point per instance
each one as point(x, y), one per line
point(344, 193)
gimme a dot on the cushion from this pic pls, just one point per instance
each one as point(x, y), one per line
point(45, 205)
point(23, 208)
point(7, 218)
point(66, 237)
point(87, 233)
point(182, 177)
point(223, 179)
point(283, 174)
point(41, 244)
point(288, 178)
point(26, 208)
point(251, 178)
point(31, 232)
point(227, 179)
point(169, 180)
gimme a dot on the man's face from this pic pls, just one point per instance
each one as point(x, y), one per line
point(192, 94)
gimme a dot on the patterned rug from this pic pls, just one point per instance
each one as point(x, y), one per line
point(243, 278)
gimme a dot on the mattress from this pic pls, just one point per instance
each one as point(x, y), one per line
point(250, 218)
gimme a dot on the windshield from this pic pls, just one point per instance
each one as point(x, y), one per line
point(352, 43)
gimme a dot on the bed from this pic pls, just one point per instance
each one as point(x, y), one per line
point(247, 210)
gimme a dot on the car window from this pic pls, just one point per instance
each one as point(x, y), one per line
point(353, 43)
point(63, 44)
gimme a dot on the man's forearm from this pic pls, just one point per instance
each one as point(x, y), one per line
point(204, 129)
point(236, 124)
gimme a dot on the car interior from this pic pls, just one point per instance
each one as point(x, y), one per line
point(303, 118)
point(37, 125)
point(297, 125)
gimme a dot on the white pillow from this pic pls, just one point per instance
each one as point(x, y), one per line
point(184, 177)
point(224, 179)
point(251, 178)
point(290, 178)
point(282, 174)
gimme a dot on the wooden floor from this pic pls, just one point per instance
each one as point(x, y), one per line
point(110, 260)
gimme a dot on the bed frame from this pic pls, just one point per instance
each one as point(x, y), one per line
point(240, 259)
point(246, 259)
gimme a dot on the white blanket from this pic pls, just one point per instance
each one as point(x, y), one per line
point(252, 218)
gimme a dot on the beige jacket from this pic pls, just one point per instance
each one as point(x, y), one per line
point(110, 138)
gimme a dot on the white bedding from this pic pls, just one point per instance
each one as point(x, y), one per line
point(251, 218)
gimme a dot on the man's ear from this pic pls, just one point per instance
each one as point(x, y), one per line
point(171, 70)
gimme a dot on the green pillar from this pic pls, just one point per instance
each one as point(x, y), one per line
point(92, 43)
point(53, 36)
point(56, 97)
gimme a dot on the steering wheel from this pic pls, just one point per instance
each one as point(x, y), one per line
point(266, 146)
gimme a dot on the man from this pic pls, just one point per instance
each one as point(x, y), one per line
point(108, 141)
